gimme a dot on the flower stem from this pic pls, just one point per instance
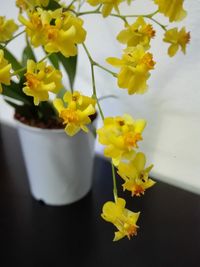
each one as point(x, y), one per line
point(18, 71)
point(48, 55)
point(157, 22)
point(124, 17)
point(103, 68)
point(114, 182)
point(6, 43)
point(93, 80)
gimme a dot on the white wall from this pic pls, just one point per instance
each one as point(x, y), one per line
point(171, 106)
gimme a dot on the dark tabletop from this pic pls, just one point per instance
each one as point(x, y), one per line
point(33, 234)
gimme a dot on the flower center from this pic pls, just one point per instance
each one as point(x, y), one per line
point(147, 60)
point(69, 116)
point(32, 81)
point(130, 229)
point(52, 33)
point(137, 190)
point(149, 31)
point(131, 139)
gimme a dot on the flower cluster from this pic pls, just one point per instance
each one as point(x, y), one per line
point(58, 29)
point(77, 111)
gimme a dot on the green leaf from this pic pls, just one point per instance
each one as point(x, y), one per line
point(28, 54)
point(53, 59)
point(12, 59)
point(14, 91)
point(26, 111)
point(52, 5)
point(70, 65)
point(46, 110)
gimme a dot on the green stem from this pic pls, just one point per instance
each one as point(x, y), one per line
point(94, 92)
point(6, 43)
point(96, 11)
point(72, 2)
point(48, 55)
point(114, 182)
point(103, 68)
point(157, 22)
point(18, 71)
point(92, 63)
point(124, 17)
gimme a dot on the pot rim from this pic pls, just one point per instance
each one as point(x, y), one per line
point(37, 129)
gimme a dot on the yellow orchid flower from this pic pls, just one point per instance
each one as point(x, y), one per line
point(78, 100)
point(138, 33)
point(75, 115)
point(172, 9)
point(56, 30)
point(40, 80)
point(135, 175)
point(31, 4)
point(123, 219)
point(134, 65)
point(5, 68)
point(7, 29)
point(120, 136)
point(176, 39)
point(34, 27)
point(108, 5)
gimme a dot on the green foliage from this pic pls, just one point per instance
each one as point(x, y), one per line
point(14, 91)
point(52, 5)
point(9, 56)
point(70, 65)
point(54, 60)
point(27, 54)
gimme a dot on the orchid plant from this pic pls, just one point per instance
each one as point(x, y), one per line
point(58, 27)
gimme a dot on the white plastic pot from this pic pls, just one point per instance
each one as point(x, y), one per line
point(59, 167)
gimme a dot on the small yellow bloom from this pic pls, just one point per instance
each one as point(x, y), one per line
point(138, 33)
point(108, 5)
point(172, 9)
point(123, 219)
point(134, 66)
point(34, 27)
point(120, 136)
point(176, 39)
point(78, 100)
point(135, 175)
point(5, 68)
point(40, 80)
point(7, 29)
point(76, 114)
point(31, 4)
point(65, 34)
point(56, 30)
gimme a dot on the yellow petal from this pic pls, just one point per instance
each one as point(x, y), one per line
point(172, 50)
point(58, 104)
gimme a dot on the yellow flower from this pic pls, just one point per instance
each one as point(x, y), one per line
point(40, 80)
point(176, 39)
point(135, 175)
point(34, 27)
point(172, 9)
point(31, 4)
point(78, 100)
point(108, 5)
point(134, 66)
point(56, 30)
point(123, 219)
point(120, 136)
point(7, 29)
point(76, 115)
point(138, 33)
point(4, 70)
point(65, 34)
